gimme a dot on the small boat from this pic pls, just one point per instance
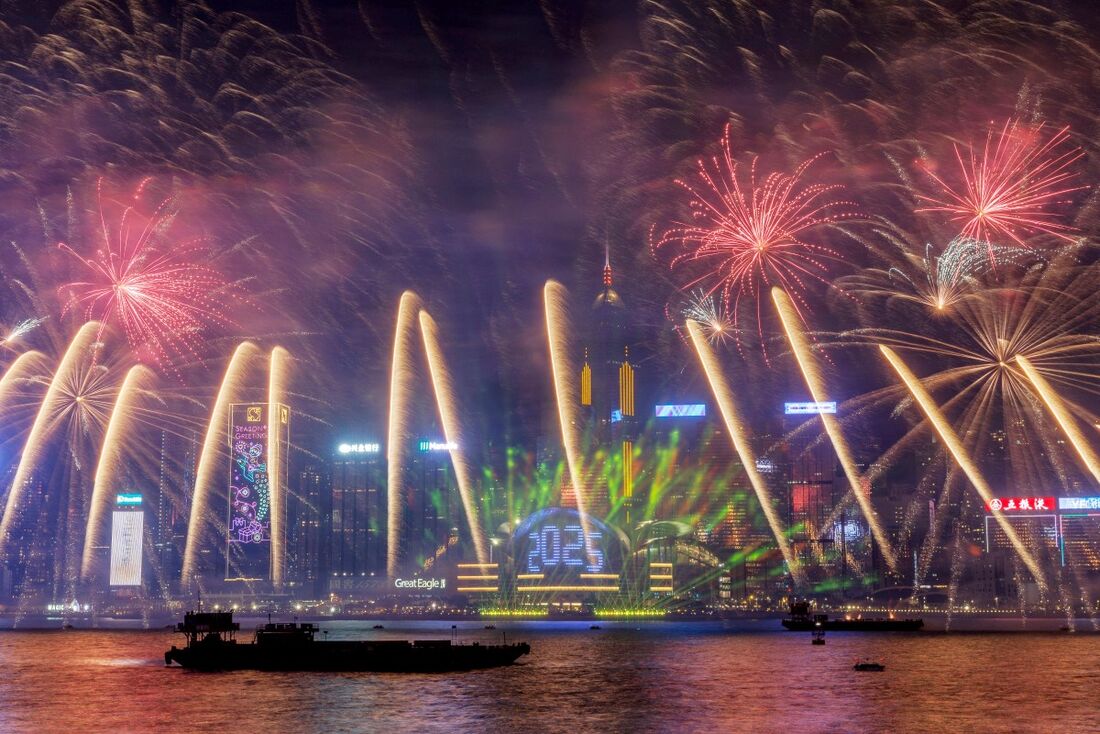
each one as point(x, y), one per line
point(212, 645)
point(490, 626)
point(869, 666)
point(378, 627)
point(595, 627)
point(819, 637)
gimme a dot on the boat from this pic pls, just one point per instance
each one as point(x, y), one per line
point(819, 637)
point(869, 666)
point(211, 644)
point(803, 620)
point(378, 627)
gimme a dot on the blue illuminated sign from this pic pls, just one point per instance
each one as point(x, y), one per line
point(550, 546)
point(616, 416)
point(438, 446)
point(809, 408)
point(694, 410)
point(1079, 503)
point(128, 498)
point(766, 466)
point(359, 448)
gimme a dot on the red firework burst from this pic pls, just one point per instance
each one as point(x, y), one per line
point(751, 238)
point(1011, 188)
point(148, 283)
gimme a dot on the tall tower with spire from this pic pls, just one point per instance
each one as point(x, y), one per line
point(607, 398)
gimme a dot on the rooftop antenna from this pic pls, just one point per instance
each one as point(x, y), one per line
point(606, 263)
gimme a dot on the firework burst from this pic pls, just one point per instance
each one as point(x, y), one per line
point(1012, 187)
point(935, 282)
point(1047, 321)
point(704, 309)
point(750, 238)
point(20, 330)
point(149, 284)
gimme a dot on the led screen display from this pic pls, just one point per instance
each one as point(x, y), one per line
point(127, 527)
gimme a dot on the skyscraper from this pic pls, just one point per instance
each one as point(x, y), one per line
point(309, 519)
point(433, 508)
point(608, 401)
point(357, 546)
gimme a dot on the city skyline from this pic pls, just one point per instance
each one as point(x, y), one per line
point(792, 508)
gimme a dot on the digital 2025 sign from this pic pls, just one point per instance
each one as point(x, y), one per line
point(552, 542)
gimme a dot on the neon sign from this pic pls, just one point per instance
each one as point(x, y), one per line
point(693, 410)
point(438, 446)
point(359, 448)
point(1021, 504)
point(1079, 503)
point(809, 408)
point(420, 584)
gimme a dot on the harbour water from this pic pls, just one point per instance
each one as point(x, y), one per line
point(623, 677)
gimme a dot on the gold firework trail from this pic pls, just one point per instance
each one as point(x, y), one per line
point(567, 395)
point(53, 404)
point(398, 434)
point(443, 385)
point(737, 429)
point(278, 379)
point(212, 458)
point(816, 384)
point(1058, 409)
point(962, 458)
point(108, 474)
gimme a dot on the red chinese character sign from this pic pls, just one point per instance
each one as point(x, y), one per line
point(1022, 504)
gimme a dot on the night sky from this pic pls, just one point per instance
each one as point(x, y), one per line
point(471, 151)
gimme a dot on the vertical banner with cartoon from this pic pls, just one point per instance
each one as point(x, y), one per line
point(249, 529)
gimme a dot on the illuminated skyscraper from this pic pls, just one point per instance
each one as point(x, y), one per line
point(607, 387)
point(166, 510)
point(700, 476)
point(309, 524)
point(433, 508)
point(1080, 535)
point(127, 540)
point(357, 543)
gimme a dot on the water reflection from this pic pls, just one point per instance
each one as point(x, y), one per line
point(624, 677)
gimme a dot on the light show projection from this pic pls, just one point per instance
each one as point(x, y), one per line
point(550, 553)
point(249, 527)
point(127, 527)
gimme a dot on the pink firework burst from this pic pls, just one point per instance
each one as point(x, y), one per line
point(1012, 187)
point(150, 284)
point(750, 238)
